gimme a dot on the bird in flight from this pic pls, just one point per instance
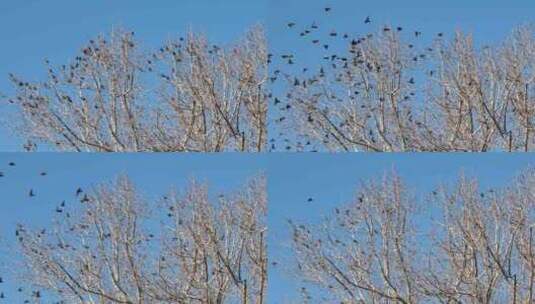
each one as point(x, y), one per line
point(31, 193)
point(85, 199)
point(327, 9)
point(367, 20)
point(79, 191)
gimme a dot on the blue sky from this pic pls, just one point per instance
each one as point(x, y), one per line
point(153, 174)
point(332, 180)
point(32, 30)
point(489, 20)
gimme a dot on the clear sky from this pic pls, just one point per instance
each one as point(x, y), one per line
point(332, 180)
point(32, 30)
point(489, 20)
point(153, 174)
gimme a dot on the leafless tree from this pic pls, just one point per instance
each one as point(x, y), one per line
point(187, 96)
point(386, 92)
point(388, 247)
point(485, 253)
point(118, 247)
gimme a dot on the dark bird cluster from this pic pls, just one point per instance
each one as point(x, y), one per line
point(310, 91)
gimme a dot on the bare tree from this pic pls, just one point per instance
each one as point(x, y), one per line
point(485, 251)
point(365, 253)
point(386, 92)
point(187, 96)
point(118, 247)
point(383, 247)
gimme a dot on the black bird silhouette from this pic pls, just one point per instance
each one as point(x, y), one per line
point(12, 164)
point(327, 9)
point(43, 173)
point(1, 174)
point(291, 24)
point(368, 20)
point(85, 199)
point(310, 199)
point(31, 193)
point(79, 191)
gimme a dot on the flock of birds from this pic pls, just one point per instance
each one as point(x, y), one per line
point(80, 195)
point(288, 59)
point(332, 59)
